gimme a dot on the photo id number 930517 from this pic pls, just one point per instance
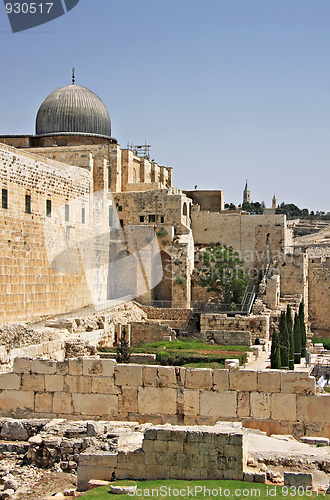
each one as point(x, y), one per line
point(29, 8)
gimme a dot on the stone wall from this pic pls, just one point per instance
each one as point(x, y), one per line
point(256, 237)
point(257, 325)
point(93, 388)
point(227, 337)
point(319, 295)
point(142, 331)
point(171, 452)
point(214, 201)
point(30, 285)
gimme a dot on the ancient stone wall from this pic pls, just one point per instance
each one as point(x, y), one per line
point(227, 337)
point(293, 271)
point(171, 452)
point(149, 332)
point(91, 388)
point(256, 237)
point(214, 201)
point(319, 295)
point(32, 283)
point(257, 325)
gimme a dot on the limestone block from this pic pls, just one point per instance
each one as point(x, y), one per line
point(260, 405)
point(10, 381)
point(154, 400)
point(297, 479)
point(128, 400)
point(14, 430)
point(62, 367)
point(43, 403)
point(313, 408)
point(22, 365)
point(198, 378)
point(221, 380)
point(131, 471)
point(128, 375)
point(95, 404)
point(87, 472)
point(175, 447)
point(297, 382)
point(16, 400)
point(243, 380)
point(158, 472)
point(33, 382)
point(148, 446)
point(43, 366)
point(100, 367)
point(104, 385)
point(166, 376)
point(62, 403)
point(177, 472)
point(74, 383)
point(191, 402)
point(218, 404)
point(150, 376)
point(243, 404)
point(160, 446)
point(75, 366)
point(284, 406)
point(269, 381)
point(54, 383)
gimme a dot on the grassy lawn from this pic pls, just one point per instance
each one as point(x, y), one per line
point(213, 489)
point(190, 352)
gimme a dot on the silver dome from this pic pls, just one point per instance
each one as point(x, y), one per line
point(73, 110)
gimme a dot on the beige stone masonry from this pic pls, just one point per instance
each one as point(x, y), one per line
point(276, 401)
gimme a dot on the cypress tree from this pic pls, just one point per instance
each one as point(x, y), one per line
point(302, 328)
point(123, 349)
point(297, 339)
point(284, 342)
point(275, 357)
point(289, 324)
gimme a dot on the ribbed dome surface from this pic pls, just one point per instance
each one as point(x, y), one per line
point(73, 109)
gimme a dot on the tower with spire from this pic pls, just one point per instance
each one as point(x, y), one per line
point(274, 202)
point(246, 194)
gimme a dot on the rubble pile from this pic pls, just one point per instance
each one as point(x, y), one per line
point(22, 334)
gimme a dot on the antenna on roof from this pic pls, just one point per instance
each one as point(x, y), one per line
point(73, 75)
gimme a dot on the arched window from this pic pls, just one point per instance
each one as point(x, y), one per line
point(184, 209)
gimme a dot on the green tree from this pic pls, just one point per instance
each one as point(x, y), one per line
point(297, 339)
point(123, 349)
point(220, 270)
point(284, 342)
point(275, 355)
point(302, 328)
point(289, 324)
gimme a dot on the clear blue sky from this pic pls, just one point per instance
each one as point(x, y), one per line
point(223, 90)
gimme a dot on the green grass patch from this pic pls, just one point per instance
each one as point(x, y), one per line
point(185, 490)
point(188, 352)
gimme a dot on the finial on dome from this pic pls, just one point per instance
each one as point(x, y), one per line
point(73, 75)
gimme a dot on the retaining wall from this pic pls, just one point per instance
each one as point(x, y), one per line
point(94, 388)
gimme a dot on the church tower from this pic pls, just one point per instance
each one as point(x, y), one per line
point(274, 202)
point(246, 194)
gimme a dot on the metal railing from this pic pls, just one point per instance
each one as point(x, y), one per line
point(243, 308)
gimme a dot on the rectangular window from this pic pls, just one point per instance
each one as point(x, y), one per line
point(49, 208)
point(141, 218)
point(67, 213)
point(83, 215)
point(4, 198)
point(27, 203)
point(162, 219)
point(120, 208)
point(152, 218)
point(121, 222)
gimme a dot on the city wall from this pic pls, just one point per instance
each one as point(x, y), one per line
point(30, 286)
point(256, 237)
point(257, 325)
point(319, 295)
point(99, 389)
